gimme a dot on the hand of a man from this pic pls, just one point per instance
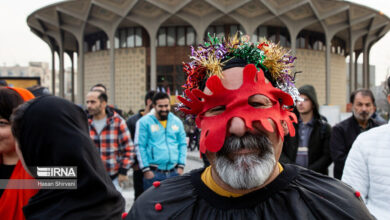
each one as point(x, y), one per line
point(122, 178)
point(148, 175)
point(180, 170)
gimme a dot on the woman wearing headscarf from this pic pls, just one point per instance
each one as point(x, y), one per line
point(51, 131)
point(11, 200)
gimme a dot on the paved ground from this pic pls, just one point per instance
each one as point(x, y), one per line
point(193, 162)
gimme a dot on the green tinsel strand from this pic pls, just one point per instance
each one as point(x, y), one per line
point(250, 53)
point(213, 40)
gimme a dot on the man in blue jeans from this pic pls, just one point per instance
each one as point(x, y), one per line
point(161, 140)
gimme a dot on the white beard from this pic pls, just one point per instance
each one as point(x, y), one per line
point(247, 171)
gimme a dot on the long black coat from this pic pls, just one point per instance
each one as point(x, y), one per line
point(297, 193)
point(319, 153)
point(343, 136)
point(54, 132)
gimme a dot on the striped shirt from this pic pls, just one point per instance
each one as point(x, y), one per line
point(114, 144)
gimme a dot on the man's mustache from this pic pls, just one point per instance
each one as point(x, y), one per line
point(248, 141)
point(364, 113)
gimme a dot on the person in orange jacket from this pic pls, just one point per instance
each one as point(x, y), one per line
point(12, 200)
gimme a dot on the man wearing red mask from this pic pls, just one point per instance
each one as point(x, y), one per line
point(240, 94)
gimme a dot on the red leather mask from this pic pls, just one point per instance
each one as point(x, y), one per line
point(214, 128)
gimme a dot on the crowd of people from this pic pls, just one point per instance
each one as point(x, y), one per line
point(268, 148)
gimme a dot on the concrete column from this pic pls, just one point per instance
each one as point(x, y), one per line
point(293, 37)
point(199, 36)
point(80, 73)
point(53, 71)
point(368, 67)
point(352, 78)
point(357, 53)
point(327, 69)
point(153, 61)
point(365, 68)
point(62, 73)
point(294, 44)
point(111, 91)
point(72, 74)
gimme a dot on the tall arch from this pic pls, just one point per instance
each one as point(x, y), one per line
point(272, 32)
point(310, 49)
point(173, 40)
point(224, 26)
point(132, 75)
point(96, 58)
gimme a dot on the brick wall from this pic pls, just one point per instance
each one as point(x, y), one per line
point(130, 78)
point(312, 63)
point(170, 55)
point(338, 81)
point(129, 75)
point(96, 69)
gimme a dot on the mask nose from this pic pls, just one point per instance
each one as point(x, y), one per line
point(237, 127)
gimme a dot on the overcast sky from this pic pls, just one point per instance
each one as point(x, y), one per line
point(18, 45)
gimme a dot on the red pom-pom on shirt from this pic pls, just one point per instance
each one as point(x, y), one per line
point(158, 207)
point(156, 183)
point(357, 194)
point(124, 215)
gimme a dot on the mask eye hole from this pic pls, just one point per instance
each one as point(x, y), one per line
point(215, 111)
point(260, 101)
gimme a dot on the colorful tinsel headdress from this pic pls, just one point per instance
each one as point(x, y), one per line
point(208, 60)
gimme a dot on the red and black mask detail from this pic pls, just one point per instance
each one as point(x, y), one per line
point(235, 103)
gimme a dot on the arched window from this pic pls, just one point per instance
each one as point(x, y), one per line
point(130, 37)
point(162, 37)
point(181, 37)
point(284, 37)
point(217, 30)
point(171, 35)
point(176, 36)
point(301, 42)
point(234, 28)
point(318, 45)
point(95, 42)
point(260, 32)
point(191, 36)
point(223, 30)
point(338, 45)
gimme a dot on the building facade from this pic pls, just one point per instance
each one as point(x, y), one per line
point(34, 69)
point(136, 45)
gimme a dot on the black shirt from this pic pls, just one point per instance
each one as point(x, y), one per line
point(343, 135)
point(297, 193)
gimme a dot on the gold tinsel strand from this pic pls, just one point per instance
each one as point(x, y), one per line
point(213, 66)
point(274, 59)
point(233, 42)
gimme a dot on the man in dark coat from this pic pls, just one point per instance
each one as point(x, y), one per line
point(138, 175)
point(345, 132)
point(310, 146)
point(242, 112)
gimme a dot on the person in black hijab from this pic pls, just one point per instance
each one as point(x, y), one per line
point(51, 131)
